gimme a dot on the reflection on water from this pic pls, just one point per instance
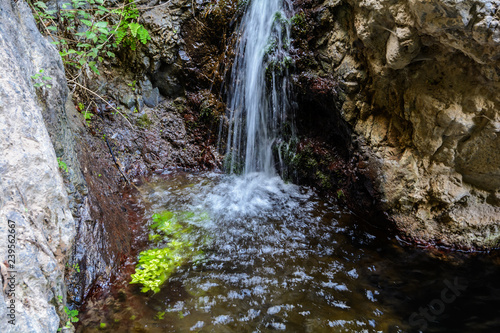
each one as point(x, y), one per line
point(283, 259)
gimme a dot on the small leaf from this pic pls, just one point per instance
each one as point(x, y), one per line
point(134, 27)
point(90, 35)
point(94, 69)
point(84, 45)
point(101, 24)
point(86, 22)
point(41, 4)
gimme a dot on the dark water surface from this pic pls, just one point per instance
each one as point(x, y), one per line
point(283, 259)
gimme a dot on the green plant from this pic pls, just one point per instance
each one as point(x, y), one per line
point(298, 20)
point(160, 315)
point(41, 80)
point(59, 298)
point(280, 18)
point(157, 265)
point(85, 31)
point(183, 243)
point(72, 317)
point(88, 117)
point(132, 85)
point(62, 165)
point(143, 121)
point(102, 326)
point(76, 267)
point(340, 194)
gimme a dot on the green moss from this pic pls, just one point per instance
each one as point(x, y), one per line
point(311, 163)
point(324, 180)
point(271, 46)
point(238, 164)
point(280, 18)
point(298, 20)
point(179, 104)
point(144, 121)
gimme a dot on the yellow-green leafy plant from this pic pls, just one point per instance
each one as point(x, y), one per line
point(62, 165)
point(72, 318)
point(182, 242)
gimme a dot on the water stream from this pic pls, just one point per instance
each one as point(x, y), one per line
point(282, 259)
point(278, 257)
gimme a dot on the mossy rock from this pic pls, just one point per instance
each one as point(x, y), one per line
point(144, 121)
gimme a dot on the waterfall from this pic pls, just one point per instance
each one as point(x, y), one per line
point(258, 105)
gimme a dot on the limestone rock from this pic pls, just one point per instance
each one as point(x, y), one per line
point(32, 192)
point(420, 86)
point(402, 46)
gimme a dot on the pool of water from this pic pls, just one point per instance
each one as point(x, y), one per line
point(281, 258)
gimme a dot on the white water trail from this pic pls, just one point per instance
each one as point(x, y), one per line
point(258, 99)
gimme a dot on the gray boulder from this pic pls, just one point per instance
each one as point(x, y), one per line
point(32, 192)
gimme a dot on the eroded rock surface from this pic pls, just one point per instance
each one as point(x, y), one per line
point(419, 86)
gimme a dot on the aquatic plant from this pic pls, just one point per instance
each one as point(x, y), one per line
point(183, 244)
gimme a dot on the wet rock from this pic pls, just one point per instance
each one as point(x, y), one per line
point(419, 85)
point(173, 128)
point(164, 24)
point(166, 79)
point(151, 97)
point(32, 192)
point(128, 100)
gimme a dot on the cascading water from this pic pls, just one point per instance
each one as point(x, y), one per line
point(273, 256)
point(259, 101)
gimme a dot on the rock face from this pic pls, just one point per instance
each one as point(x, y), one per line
point(419, 86)
point(33, 197)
